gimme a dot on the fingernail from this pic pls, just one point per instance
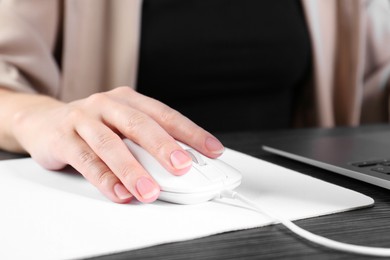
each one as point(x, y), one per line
point(147, 188)
point(122, 192)
point(214, 146)
point(180, 160)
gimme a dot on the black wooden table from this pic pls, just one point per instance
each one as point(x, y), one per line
point(369, 226)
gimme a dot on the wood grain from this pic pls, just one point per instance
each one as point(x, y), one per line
point(369, 226)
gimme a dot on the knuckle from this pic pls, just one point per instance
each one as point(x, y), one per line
point(126, 173)
point(95, 170)
point(104, 141)
point(96, 99)
point(74, 114)
point(159, 146)
point(123, 90)
point(134, 122)
point(87, 158)
point(104, 177)
point(193, 133)
point(169, 115)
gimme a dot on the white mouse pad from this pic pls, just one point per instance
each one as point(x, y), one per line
point(59, 215)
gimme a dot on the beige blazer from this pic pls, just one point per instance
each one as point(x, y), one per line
point(72, 48)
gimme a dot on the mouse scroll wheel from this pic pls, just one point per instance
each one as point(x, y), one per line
point(196, 157)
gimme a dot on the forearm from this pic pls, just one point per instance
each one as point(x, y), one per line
point(13, 107)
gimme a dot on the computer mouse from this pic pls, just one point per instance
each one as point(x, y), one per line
point(203, 182)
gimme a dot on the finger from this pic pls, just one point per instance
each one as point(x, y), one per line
point(113, 151)
point(81, 157)
point(146, 132)
point(177, 125)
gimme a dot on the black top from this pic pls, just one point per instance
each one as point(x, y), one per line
point(226, 64)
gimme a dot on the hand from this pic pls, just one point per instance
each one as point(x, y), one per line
point(87, 134)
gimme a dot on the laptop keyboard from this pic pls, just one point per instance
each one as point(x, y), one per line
point(382, 166)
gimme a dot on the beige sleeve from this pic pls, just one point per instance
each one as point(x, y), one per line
point(376, 103)
point(28, 34)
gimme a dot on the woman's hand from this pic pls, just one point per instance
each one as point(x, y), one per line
point(87, 134)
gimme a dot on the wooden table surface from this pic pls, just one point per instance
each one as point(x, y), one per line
point(368, 226)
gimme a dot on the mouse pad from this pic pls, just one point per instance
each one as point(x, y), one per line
point(51, 215)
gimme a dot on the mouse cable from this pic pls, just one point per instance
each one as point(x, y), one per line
point(356, 249)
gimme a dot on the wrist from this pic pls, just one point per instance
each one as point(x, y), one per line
point(17, 109)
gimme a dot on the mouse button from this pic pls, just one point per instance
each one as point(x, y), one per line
point(193, 181)
point(232, 174)
point(161, 175)
point(210, 172)
point(196, 157)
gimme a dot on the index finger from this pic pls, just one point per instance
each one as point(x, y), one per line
point(177, 125)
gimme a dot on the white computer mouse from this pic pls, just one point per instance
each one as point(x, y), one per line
point(203, 182)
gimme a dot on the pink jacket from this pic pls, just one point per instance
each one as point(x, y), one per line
point(98, 41)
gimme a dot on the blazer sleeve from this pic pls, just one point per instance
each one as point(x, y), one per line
point(28, 33)
point(376, 103)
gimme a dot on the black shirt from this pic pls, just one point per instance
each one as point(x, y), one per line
point(226, 64)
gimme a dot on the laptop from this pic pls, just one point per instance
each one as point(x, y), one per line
point(359, 153)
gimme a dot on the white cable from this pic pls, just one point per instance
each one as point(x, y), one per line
point(356, 249)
